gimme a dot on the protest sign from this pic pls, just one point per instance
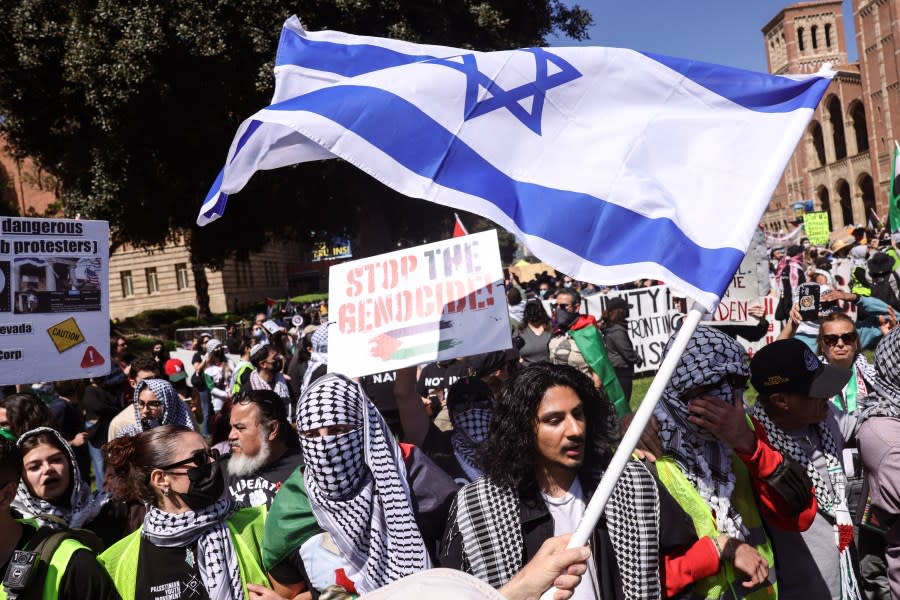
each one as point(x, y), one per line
point(652, 318)
point(433, 302)
point(748, 285)
point(818, 230)
point(54, 300)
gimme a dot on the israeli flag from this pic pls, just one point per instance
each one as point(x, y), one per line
point(610, 164)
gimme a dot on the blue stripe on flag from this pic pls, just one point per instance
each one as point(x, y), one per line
point(253, 126)
point(588, 225)
point(756, 91)
point(348, 60)
point(218, 208)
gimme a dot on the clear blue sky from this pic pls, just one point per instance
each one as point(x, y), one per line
point(727, 32)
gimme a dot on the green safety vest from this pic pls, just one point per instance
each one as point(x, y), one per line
point(742, 498)
point(56, 568)
point(246, 529)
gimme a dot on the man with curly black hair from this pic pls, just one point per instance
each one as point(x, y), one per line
point(544, 455)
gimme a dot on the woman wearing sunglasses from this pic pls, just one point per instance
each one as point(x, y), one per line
point(193, 542)
point(839, 346)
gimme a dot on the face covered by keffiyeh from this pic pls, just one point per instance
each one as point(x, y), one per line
point(83, 504)
point(357, 484)
point(713, 364)
point(469, 401)
point(174, 409)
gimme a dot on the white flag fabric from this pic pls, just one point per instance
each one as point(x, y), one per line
point(610, 164)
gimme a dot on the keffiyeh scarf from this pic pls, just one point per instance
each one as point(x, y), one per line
point(357, 486)
point(280, 387)
point(487, 517)
point(217, 559)
point(832, 499)
point(84, 505)
point(710, 356)
point(175, 410)
point(884, 380)
point(470, 428)
point(319, 354)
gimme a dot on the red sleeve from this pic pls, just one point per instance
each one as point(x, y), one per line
point(761, 464)
point(682, 568)
point(406, 451)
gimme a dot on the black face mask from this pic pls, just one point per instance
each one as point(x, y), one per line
point(565, 318)
point(206, 487)
point(277, 365)
point(148, 423)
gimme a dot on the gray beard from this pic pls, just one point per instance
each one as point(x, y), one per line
point(241, 465)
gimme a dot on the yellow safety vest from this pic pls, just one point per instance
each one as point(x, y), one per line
point(56, 568)
point(245, 526)
point(720, 584)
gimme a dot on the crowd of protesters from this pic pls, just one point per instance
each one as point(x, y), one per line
point(258, 474)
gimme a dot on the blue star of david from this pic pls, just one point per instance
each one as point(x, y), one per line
point(498, 98)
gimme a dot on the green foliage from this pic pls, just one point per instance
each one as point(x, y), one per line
point(307, 298)
point(132, 105)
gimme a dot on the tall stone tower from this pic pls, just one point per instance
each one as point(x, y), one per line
point(831, 168)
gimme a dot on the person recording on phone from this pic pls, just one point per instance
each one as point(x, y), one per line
point(818, 300)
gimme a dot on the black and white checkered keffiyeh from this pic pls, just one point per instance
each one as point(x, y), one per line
point(487, 517)
point(884, 381)
point(357, 486)
point(832, 500)
point(217, 559)
point(709, 357)
point(175, 410)
point(84, 505)
point(470, 428)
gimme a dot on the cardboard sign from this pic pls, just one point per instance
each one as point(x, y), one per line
point(817, 227)
point(433, 302)
point(54, 299)
point(748, 286)
point(652, 317)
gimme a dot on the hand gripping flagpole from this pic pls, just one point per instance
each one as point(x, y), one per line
point(629, 441)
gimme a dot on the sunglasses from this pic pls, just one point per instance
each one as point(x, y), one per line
point(198, 458)
point(848, 338)
point(152, 404)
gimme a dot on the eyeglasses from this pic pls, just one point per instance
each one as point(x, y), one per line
point(153, 404)
point(199, 458)
point(831, 339)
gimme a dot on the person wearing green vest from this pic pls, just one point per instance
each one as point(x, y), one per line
point(719, 467)
point(193, 543)
point(70, 572)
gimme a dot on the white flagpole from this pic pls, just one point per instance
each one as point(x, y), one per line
point(604, 490)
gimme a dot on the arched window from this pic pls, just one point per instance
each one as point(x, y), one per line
point(858, 117)
point(828, 35)
point(837, 128)
point(843, 190)
point(800, 41)
point(867, 189)
point(818, 142)
point(813, 32)
point(825, 203)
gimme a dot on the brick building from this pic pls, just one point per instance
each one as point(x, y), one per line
point(162, 278)
point(842, 164)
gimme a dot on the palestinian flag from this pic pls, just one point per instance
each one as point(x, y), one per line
point(590, 343)
point(408, 342)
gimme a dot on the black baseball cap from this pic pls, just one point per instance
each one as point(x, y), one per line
point(617, 302)
point(790, 366)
